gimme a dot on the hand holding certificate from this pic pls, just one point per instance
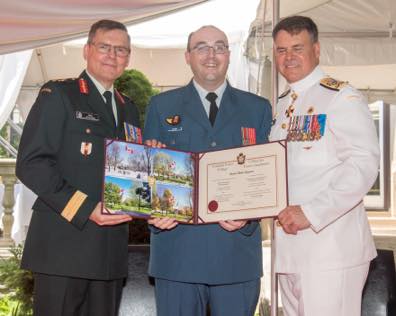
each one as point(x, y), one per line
point(238, 183)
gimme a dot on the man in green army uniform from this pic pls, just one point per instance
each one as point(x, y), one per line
point(77, 254)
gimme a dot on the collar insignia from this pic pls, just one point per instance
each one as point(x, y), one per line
point(285, 93)
point(83, 86)
point(119, 96)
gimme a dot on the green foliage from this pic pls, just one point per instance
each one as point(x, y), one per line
point(17, 285)
point(112, 194)
point(13, 138)
point(10, 307)
point(138, 88)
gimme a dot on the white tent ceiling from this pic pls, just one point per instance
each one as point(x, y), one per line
point(27, 24)
point(358, 37)
point(161, 40)
point(354, 33)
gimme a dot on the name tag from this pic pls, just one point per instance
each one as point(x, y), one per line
point(87, 116)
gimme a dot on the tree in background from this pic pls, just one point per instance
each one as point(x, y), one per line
point(113, 156)
point(138, 88)
point(112, 193)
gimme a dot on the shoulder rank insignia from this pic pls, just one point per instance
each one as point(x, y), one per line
point(333, 84)
point(173, 120)
point(284, 94)
point(48, 90)
point(119, 96)
point(83, 86)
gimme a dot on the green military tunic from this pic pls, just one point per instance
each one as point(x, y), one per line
point(61, 158)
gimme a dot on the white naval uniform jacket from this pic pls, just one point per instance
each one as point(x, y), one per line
point(329, 178)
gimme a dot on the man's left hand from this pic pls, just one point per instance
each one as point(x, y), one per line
point(154, 143)
point(232, 225)
point(293, 219)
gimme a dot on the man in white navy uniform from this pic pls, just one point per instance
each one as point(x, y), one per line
point(323, 239)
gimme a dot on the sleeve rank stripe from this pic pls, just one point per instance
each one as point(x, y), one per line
point(73, 205)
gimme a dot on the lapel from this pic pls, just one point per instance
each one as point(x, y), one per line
point(227, 109)
point(193, 107)
point(95, 101)
point(120, 103)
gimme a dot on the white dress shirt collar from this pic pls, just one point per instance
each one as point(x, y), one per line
point(303, 84)
point(99, 86)
point(203, 93)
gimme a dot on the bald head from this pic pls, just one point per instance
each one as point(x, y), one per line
point(202, 29)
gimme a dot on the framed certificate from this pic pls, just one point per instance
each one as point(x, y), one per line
point(238, 183)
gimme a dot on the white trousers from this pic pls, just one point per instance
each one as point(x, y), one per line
point(323, 293)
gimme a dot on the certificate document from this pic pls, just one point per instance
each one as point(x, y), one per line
point(247, 182)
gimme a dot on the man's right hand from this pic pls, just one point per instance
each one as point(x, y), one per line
point(107, 219)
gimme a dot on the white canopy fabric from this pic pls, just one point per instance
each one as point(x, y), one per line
point(358, 40)
point(12, 72)
point(163, 34)
point(27, 24)
point(353, 32)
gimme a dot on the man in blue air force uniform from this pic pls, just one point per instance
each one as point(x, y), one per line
point(215, 264)
point(78, 255)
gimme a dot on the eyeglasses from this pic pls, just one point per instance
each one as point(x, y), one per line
point(119, 51)
point(203, 49)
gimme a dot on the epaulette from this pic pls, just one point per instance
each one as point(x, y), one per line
point(64, 80)
point(46, 90)
point(284, 94)
point(333, 84)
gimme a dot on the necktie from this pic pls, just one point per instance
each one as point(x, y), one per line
point(211, 97)
point(109, 105)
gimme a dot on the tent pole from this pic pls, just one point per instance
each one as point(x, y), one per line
point(42, 64)
point(274, 279)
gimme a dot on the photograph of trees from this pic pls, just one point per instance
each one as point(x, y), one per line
point(145, 182)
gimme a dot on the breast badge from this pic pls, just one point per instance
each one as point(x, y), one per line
point(291, 108)
point(86, 148)
point(173, 120)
